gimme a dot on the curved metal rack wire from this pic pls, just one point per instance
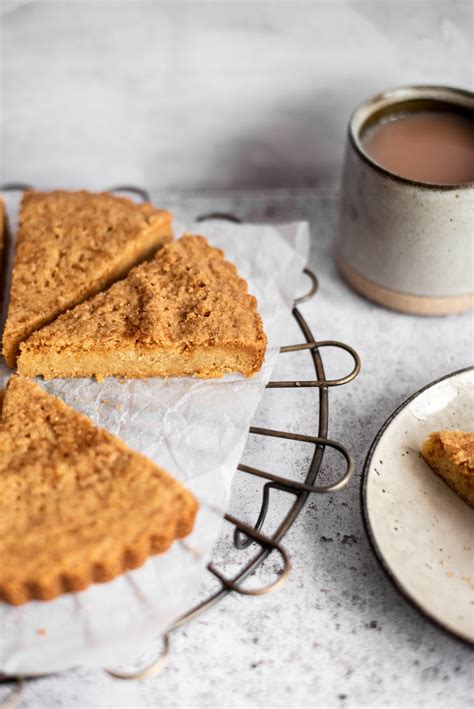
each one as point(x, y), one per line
point(244, 534)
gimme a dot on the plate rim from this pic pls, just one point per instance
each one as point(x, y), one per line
point(365, 513)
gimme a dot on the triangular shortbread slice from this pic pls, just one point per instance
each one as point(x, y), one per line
point(3, 250)
point(450, 454)
point(76, 505)
point(185, 312)
point(3, 231)
point(71, 245)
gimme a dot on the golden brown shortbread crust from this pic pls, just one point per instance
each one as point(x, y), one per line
point(450, 454)
point(77, 506)
point(185, 312)
point(71, 245)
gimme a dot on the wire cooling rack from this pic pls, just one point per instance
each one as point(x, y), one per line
point(244, 534)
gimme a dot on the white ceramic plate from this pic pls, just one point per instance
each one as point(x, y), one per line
point(421, 531)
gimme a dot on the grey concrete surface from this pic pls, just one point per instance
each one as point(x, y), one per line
point(338, 634)
point(191, 94)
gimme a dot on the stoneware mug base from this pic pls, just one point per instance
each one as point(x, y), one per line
point(403, 302)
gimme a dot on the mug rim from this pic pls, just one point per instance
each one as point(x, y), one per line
point(401, 94)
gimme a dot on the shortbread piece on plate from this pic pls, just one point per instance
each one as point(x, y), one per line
point(185, 312)
point(76, 505)
point(71, 245)
point(450, 454)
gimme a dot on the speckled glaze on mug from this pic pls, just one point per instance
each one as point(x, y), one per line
point(405, 244)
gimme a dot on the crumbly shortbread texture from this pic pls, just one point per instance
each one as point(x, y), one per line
point(71, 245)
point(3, 224)
point(3, 249)
point(450, 454)
point(76, 505)
point(185, 312)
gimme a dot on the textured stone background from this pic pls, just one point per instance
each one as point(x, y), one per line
point(338, 634)
point(218, 94)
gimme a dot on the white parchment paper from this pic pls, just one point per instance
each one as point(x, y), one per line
point(197, 431)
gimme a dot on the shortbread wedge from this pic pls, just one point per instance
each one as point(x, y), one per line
point(450, 454)
point(76, 505)
point(185, 312)
point(71, 245)
point(3, 229)
point(3, 252)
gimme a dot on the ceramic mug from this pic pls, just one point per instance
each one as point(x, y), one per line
point(405, 244)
